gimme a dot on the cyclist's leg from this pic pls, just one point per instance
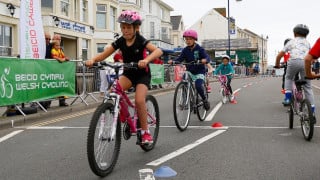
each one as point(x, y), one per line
point(307, 88)
point(292, 70)
point(229, 86)
point(125, 82)
point(199, 86)
point(142, 84)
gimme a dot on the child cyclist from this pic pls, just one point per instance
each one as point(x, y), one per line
point(193, 52)
point(226, 68)
point(132, 45)
point(298, 48)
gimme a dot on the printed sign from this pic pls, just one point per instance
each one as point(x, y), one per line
point(29, 80)
point(157, 74)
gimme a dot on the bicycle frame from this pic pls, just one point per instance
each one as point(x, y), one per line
point(191, 89)
point(297, 97)
point(122, 103)
point(223, 81)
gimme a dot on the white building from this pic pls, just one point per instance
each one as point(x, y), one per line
point(86, 26)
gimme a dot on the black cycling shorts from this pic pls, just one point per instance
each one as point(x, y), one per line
point(138, 77)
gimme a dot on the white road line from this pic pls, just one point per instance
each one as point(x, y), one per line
point(213, 112)
point(10, 135)
point(258, 127)
point(216, 109)
point(45, 127)
point(184, 149)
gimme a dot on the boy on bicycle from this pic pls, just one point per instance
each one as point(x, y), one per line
point(191, 53)
point(298, 48)
point(226, 68)
point(132, 46)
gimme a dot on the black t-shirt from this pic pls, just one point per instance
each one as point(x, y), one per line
point(132, 53)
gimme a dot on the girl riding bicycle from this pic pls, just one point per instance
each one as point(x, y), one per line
point(132, 45)
point(193, 52)
point(226, 68)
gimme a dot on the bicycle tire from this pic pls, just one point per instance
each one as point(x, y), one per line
point(180, 107)
point(94, 154)
point(291, 114)
point(307, 125)
point(152, 110)
point(201, 111)
point(223, 96)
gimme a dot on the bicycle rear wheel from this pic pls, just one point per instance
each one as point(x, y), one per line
point(181, 106)
point(102, 149)
point(307, 125)
point(153, 121)
point(291, 113)
point(201, 111)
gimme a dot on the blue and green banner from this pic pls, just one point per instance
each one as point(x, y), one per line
point(26, 80)
point(157, 74)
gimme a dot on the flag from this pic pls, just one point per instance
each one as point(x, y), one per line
point(32, 41)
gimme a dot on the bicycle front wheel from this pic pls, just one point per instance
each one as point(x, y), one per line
point(102, 147)
point(181, 106)
point(307, 125)
point(153, 121)
point(201, 111)
point(223, 96)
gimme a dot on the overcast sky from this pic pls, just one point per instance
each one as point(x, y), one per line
point(272, 18)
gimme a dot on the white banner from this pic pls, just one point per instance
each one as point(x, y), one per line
point(32, 41)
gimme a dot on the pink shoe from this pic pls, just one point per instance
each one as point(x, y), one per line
point(147, 138)
point(208, 89)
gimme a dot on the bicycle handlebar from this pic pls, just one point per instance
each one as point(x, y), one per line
point(116, 65)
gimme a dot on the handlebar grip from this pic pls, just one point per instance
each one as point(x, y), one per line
point(309, 78)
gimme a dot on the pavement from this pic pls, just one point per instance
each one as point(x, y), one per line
point(92, 100)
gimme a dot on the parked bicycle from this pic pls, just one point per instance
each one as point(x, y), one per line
point(104, 135)
point(224, 90)
point(186, 100)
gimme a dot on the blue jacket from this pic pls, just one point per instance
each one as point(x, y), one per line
point(189, 55)
point(224, 69)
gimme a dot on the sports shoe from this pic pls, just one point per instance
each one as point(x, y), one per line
point(286, 102)
point(206, 105)
point(208, 89)
point(147, 138)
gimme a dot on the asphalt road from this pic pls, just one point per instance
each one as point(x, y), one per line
point(255, 143)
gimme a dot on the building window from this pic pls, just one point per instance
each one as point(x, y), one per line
point(5, 40)
point(152, 30)
point(113, 12)
point(47, 5)
point(84, 11)
point(161, 14)
point(85, 49)
point(150, 6)
point(101, 16)
point(100, 47)
point(65, 5)
point(164, 34)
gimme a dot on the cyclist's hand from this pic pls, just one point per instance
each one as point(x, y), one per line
point(170, 62)
point(89, 63)
point(277, 66)
point(143, 64)
point(312, 76)
point(203, 61)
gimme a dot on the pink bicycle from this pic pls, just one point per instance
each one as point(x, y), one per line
point(104, 134)
point(224, 90)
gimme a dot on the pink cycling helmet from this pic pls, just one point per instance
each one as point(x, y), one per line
point(191, 33)
point(130, 17)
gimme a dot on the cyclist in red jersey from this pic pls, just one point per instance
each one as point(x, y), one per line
point(314, 53)
point(286, 57)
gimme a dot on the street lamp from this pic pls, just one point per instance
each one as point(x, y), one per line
point(56, 20)
point(229, 43)
point(11, 8)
